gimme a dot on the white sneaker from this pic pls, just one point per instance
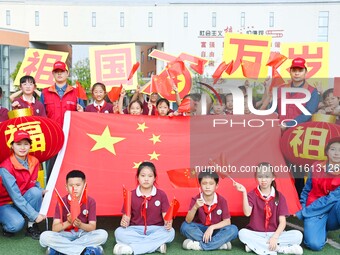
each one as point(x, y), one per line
point(120, 249)
point(292, 249)
point(226, 246)
point(247, 248)
point(162, 248)
point(189, 244)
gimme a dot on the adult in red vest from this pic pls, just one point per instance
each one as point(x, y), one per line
point(320, 198)
point(58, 99)
point(298, 71)
point(20, 193)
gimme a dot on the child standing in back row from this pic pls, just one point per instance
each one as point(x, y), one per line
point(207, 224)
point(99, 105)
point(145, 231)
point(267, 209)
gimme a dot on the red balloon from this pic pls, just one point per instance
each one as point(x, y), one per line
point(46, 134)
point(305, 143)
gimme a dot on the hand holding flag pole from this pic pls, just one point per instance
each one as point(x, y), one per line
point(127, 201)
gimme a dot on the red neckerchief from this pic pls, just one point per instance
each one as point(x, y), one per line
point(208, 212)
point(267, 210)
point(30, 105)
point(143, 210)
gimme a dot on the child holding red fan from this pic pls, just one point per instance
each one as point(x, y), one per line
point(267, 209)
point(207, 224)
point(79, 236)
point(145, 231)
point(99, 105)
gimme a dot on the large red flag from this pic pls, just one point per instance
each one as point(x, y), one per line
point(109, 149)
point(81, 92)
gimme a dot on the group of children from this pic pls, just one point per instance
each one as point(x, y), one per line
point(207, 225)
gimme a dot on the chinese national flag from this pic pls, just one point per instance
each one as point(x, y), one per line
point(81, 93)
point(162, 84)
point(175, 68)
point(115, 93)
point(199, 67)
point(250, 69)
point(127, 201)
point(60, 203)
point(172, 211)
point(184, 178)
point(276, 59)
point(133, 70)
point(83, 197)
point(110, 147)
point(185, 105)
point(223, 67)
point(74, 205)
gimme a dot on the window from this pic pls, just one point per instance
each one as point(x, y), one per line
point(36, 18)
point(271, 19)
point(142, 57)
point(8, 17)
point(122, 19)
point(323, 26)
point(149, 51)
point(243, 19)
point(150, 19)
point(213, 19)
point(65, 19)
point(94, 19)
point(185, 21)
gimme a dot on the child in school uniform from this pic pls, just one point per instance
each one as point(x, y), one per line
point(267, 209)
point(80, 236)
point(135, 107)
point(145, 231)
point(207, 224)
point(27, 100)
point(99, 105)
point(3, 110)
point(163, 108)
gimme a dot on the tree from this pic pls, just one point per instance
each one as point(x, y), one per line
point(81, 72)
point(15, 73)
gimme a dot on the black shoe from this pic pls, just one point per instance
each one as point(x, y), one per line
point(33, 232)
point(7, 234)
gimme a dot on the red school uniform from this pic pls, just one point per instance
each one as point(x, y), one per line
point(36, 106)
point(156, 204)
point(258, 217)
point(219, 213)
point(102, 108)
point(87, 211)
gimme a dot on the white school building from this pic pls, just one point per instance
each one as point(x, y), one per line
point(174, 26)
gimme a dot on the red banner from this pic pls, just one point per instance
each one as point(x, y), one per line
point(109, 148)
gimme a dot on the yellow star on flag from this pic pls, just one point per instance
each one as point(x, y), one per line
point(105, 141)
point(155, 138)
point(136, 165)
point(142, 126)
point(154, 155)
